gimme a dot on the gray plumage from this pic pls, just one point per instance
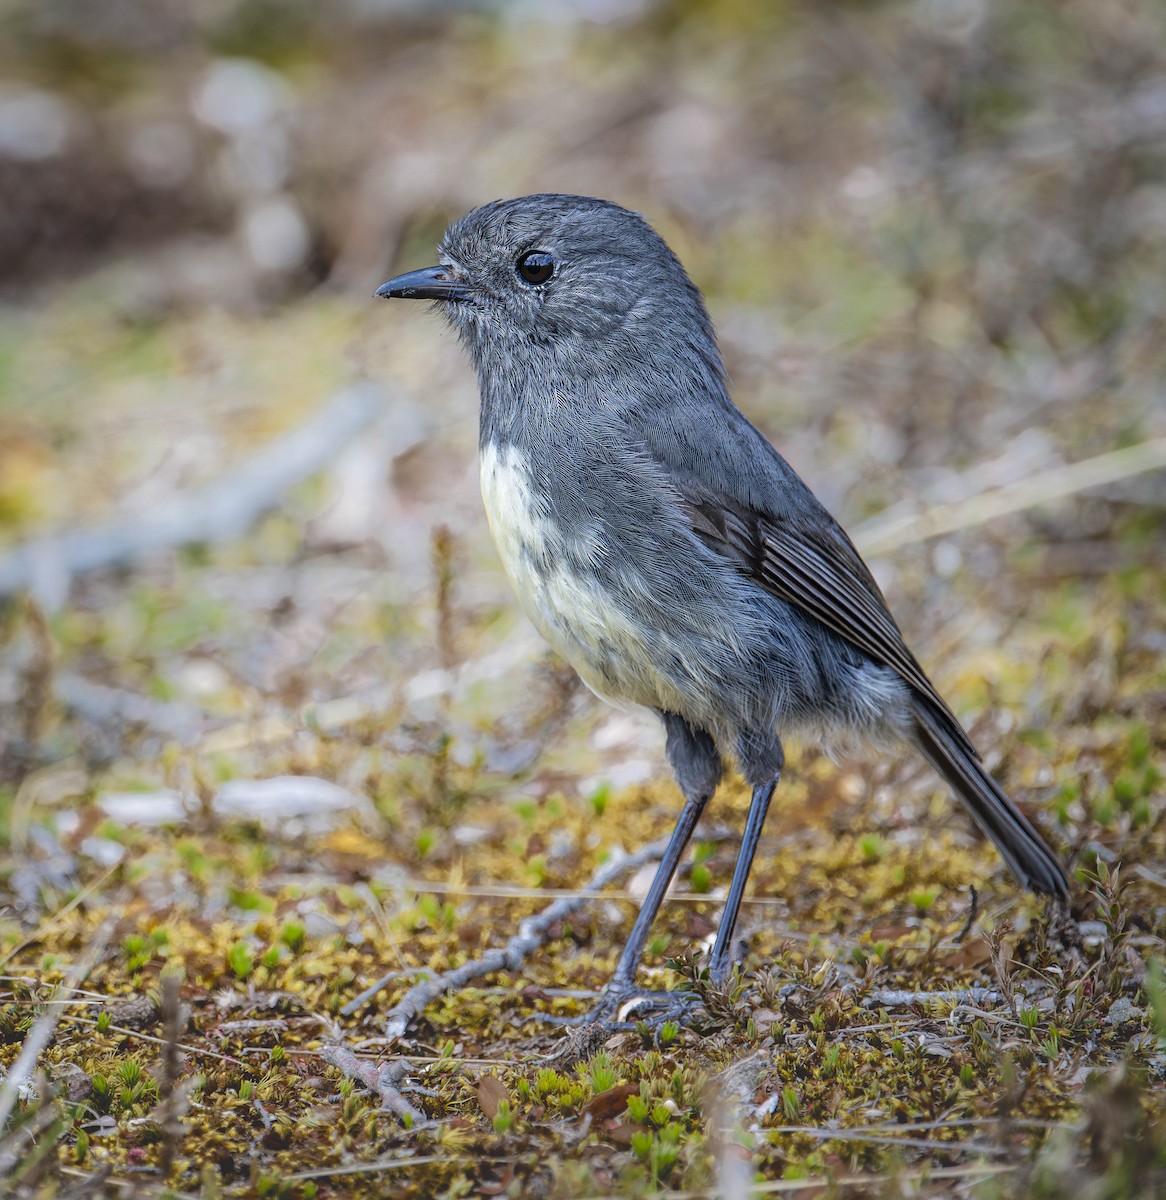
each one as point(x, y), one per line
point(656, 538)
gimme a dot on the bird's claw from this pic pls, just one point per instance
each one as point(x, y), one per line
point(627, 1007)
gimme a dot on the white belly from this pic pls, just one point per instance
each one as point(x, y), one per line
point(573, 614)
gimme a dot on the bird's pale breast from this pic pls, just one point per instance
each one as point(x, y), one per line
point(576, 616)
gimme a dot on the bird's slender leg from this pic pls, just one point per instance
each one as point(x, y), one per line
point(624, 976)
point(762, 760)
point(697, 766)
point(722, 959)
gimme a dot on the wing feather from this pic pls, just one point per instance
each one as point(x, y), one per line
point(816, 568)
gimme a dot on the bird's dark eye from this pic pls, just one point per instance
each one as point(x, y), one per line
point(536, 266)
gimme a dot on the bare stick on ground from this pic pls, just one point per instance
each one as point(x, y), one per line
point(222, 510)
point(894, 998)
point(532, 934)
point(883, 534)
point(173, 1103)
point(383, 1079)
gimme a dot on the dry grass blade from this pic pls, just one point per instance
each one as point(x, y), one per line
point(42, 930)
point(882, 535)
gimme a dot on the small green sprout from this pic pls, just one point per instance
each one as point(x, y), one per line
point(129, 1072)
point(547, 1081)
point(293, 935)
point(603, 1075)
point(503, 1118)
point(872, 847)
point(240, 960)
point(830, 1060)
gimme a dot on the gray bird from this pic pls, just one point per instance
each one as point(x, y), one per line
point(661, 544)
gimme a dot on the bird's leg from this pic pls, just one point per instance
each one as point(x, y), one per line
point(623, 981)
point(697, 765)
point(762, 761)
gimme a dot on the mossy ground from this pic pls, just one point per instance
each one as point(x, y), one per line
point(862, 884)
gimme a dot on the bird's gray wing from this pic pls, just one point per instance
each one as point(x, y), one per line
point(811, 563)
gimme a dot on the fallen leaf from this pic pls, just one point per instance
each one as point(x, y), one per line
point(491, 1093)
point(610, 1104)
point(892, 933)
point(973, 953)
point(622, 1134)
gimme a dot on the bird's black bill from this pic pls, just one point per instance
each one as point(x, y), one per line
point(430, 283)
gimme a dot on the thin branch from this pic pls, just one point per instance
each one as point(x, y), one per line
point(381, 1079)
point(395, 1164)
point(222, 510)
point(185, 1047)
point(881, 535)
point(889, 1138)
point(173, 1104)
point(533, 933)
point(893, 998)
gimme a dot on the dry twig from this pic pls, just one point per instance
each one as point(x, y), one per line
point(171, 1109)
point(532, 934)
point(222, 510)
point(884, 534)
point(383, 1079)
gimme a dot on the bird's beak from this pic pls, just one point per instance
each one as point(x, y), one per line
point(430, 283)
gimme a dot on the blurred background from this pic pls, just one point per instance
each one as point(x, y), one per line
point(268, 711)
point(931, 235)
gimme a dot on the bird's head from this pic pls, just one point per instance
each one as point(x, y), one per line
point(579, 280)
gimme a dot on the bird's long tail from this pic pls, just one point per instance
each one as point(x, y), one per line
point(1023, 849)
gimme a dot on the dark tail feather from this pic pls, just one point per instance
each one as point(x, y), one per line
point(1023, 849)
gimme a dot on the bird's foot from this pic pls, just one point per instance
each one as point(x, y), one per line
point(624, 1006)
